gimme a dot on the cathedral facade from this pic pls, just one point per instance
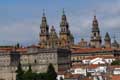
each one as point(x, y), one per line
point(59, 50)
point(51, 39)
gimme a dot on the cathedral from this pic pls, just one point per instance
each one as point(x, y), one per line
point(60, 50)
point(50, 39)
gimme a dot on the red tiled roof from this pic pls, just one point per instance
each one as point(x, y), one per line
point(69, 75)
point(115, 66)
point(85, 50)
point(5, 49)
point(13, 49)
point(34, 46)
point(115, 77)
point(21, 49)
point(87, 78)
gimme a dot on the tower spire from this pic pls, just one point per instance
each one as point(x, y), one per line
point(95, 24)
point(64, 19)
point(95, 36)
point(66, 38)
point(44, 33)
point(63, 11)
point(44, 20)
point(43, 12)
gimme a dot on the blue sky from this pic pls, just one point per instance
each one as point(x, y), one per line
point(20, 19)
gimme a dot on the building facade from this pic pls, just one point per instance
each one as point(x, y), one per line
point(51, 39)
point(38, 58)
point(59, 50)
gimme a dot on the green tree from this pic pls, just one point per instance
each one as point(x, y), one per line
point(29, 75)
point(19, 72)
point(88, 74)
point(51, 74)
point(116, 62)
point(42, 76)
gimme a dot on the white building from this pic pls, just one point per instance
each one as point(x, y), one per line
point(98, 60)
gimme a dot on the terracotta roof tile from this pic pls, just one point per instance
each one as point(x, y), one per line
point(86, 50)
point(87, 78)
point(21, 49)
point(115, 77)
point(69, 75)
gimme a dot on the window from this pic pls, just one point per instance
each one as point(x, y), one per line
point(94, 34)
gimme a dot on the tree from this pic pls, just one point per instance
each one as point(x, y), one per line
point(19, 72)
point(42, 76)
point(51, 74)
point(116, 62)
point(88, 74)
point(29, 75)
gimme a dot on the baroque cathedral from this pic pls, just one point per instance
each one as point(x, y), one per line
point(59, 50)
point(51, 39)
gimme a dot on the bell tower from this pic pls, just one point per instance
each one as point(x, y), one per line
point(66, 38)
point(44, 33)
point(95, 41)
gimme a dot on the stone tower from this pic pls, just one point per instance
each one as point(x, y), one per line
point(107, 41)
point(95, 41)
point(66, 38)
point(44, 33)
point(53, 38)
